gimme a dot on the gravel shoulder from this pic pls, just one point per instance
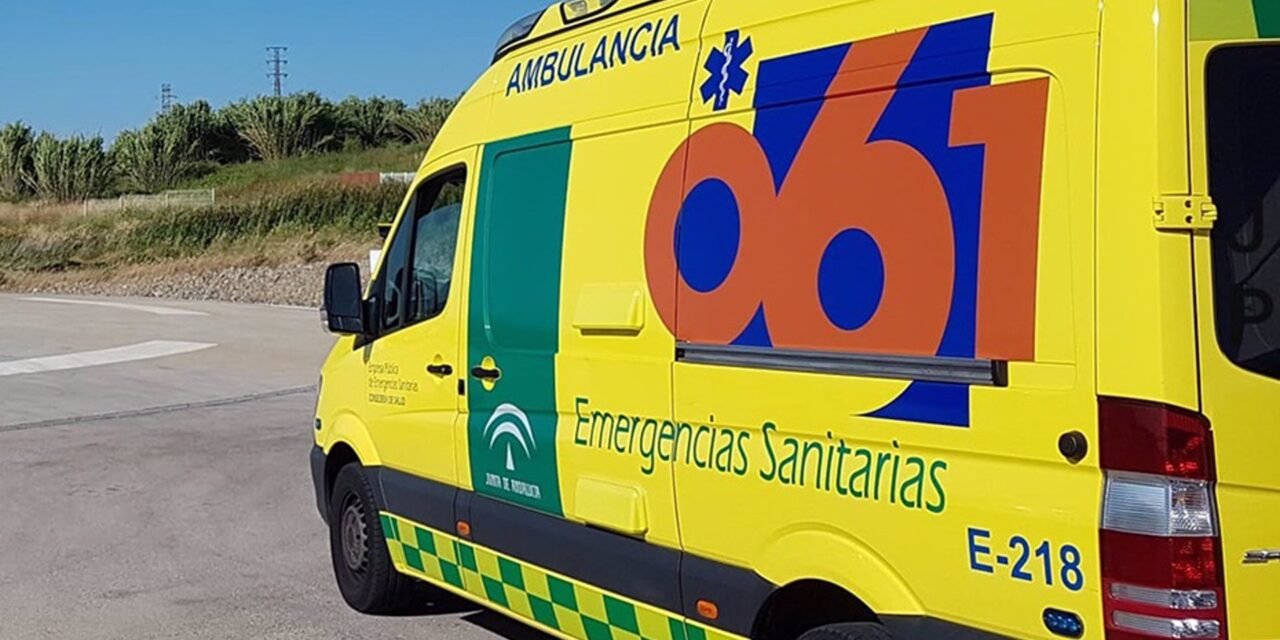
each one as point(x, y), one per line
point(296, 283)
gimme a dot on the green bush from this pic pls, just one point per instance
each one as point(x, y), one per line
point(255, 179)
point(174, 146)
point(212, 132)
point(189, 142)
point(423, 123)
point(156, 157)
point(15, 161)
point(348, 211)
point(277, 128)
point(369, 123)
point(70, 169)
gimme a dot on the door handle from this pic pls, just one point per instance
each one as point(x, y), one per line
point(441, 370)
point(483, 373)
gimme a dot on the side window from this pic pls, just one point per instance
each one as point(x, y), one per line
point(435, 244)
point(418, 274)
point(394, 285)
point(1244, 180)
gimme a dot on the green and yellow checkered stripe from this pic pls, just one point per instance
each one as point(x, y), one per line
point(556, 603)
point(1234, 19)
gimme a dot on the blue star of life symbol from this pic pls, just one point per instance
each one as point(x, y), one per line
point(727, 73)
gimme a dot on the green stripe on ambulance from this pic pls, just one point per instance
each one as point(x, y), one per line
point(515, 315)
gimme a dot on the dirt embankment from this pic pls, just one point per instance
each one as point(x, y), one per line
point(290, 283)
point(269, 250)
point(286, 285)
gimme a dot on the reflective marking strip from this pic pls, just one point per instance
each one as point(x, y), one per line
point(559, 604)
point(159, 311)
point(131, 353)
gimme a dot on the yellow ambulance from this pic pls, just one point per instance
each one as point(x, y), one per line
point(833, 320)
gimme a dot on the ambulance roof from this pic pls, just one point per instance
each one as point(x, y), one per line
point(559, 18)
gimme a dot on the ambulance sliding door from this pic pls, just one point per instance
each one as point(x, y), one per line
point(571, 364)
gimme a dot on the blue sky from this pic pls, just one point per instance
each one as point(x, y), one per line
point(96, 66)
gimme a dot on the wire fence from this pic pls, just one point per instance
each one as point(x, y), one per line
point(396, 178)
point(187, 199)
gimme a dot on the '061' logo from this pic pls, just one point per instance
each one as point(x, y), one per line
point(891, 206)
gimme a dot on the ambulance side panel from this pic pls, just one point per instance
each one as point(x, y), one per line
point(875, 373)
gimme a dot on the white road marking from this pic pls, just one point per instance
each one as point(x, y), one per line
point(160, 311)
point(131, 353)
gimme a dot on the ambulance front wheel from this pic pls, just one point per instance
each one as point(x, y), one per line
point(366, 578)
point(849, 631)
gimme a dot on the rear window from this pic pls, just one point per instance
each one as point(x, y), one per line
point(1243, 94)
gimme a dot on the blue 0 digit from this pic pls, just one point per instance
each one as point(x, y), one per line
point(1024, 554)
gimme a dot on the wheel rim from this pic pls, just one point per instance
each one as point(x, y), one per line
point(355, 536)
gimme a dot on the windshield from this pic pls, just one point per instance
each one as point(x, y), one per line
point(1243, 93)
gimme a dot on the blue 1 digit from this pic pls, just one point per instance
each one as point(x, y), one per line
point(1045, 552)
point(1024, 554)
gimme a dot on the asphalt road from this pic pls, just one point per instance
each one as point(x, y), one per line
point(153, 464)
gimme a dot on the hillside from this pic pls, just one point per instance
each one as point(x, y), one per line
point(252, 179)
point(274, 227)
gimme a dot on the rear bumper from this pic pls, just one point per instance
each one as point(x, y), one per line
point(317, 479)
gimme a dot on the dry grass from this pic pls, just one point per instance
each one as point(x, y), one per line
point(316, 216)
point(257, 179)
point(279, 221)
point(38, 213)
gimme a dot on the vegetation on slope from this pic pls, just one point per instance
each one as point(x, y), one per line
point(188, 141)
point(329, 215)
point(274, 163)
point(250, 179)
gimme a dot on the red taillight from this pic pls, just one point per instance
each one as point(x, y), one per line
point(1171, 563)
point(1143, 437)
point(1161, 551)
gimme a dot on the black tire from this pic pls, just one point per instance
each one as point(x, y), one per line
point(849, 631)
point(361, 563)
